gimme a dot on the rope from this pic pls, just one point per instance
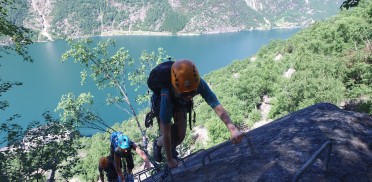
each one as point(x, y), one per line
point(310, 162)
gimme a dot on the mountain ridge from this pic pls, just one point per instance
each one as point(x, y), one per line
point(60, 18)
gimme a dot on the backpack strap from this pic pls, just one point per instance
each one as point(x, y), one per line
point(194, 119)
point(191, 109)
point(190, 120)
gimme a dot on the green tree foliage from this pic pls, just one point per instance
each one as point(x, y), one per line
point(73, 11)
point(79, 111)
point(41, 147)
point(4, 87)
point(117, 72)
point(15, 37)
point(17, 12)
point(174, 22)
point(15, 40)
point(49, 146)
point(94, 148)
point(155, 15)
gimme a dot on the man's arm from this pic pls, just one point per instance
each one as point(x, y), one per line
point(236, 135)
point(142, 154)
point(165, 125)
point(166, 129)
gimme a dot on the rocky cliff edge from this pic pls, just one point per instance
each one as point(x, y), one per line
point(281, 149)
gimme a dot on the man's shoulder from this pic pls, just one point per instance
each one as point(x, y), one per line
point(203, 85)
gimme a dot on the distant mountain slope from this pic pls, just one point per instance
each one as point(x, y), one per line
point(330, 61)
point(77, 18)
point(283, 146)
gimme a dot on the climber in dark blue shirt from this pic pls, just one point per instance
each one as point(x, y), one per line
point(174, 85)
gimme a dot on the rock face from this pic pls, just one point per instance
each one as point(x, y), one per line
point(280, 148)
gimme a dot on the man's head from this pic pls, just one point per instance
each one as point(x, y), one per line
point(185, 77)
point(124, 142)
point(103, 162)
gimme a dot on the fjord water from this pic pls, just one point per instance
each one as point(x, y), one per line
point(47, 79)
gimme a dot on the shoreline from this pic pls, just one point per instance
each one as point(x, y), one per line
point(120, 32)
point(150, 33)
point(145, 33)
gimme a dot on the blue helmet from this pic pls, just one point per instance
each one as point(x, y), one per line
point(123, 141)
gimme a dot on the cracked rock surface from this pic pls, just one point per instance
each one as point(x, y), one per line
point(277, 151)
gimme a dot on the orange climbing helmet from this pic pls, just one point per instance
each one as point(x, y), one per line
point(103, 162)
point(185, 76)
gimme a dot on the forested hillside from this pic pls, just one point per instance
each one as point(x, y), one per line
point(76, 18)
point(327, 62)
point(331, 61)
